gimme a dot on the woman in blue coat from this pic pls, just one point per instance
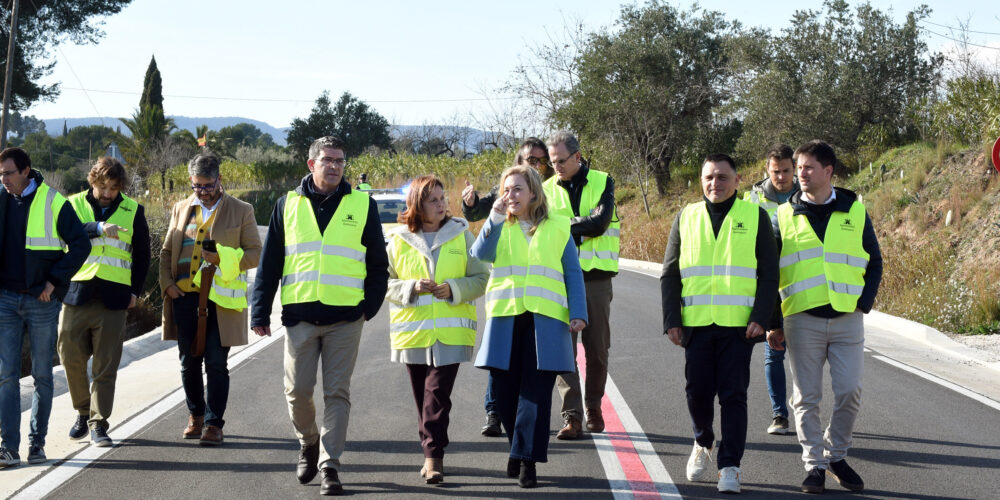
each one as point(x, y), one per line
point(535, 287)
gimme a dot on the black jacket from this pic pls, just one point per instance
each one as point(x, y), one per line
point(40, 266)
point(482, 206)
point(594, 223)
point(818, 216)
point(767, 273)
point(272, 262)
point(114, 296)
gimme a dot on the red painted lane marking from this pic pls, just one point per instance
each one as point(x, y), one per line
point(635, 472)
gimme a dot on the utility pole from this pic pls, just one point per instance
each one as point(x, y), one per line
point(10, 71)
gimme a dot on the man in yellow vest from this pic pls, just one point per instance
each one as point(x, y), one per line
point(587, 197)
point(326, 252)
point(36, 224)
point(112, 278)
point(777, 187)
point(717, 297)
point(831, 267)
point(208, 217)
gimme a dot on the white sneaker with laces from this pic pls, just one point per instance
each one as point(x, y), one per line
point(697, 467)
point(729, 480)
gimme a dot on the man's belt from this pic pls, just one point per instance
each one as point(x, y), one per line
point(198, 348)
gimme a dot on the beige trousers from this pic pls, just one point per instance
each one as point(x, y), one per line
point(336, 346)
point(813, 342)
point(85, 331)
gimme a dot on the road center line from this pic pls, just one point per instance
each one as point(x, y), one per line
point(61, 473)
point(632, 467)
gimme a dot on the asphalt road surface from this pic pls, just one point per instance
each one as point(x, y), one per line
point(913, 438)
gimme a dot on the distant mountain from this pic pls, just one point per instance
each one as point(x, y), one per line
point(473, 138)
point(54, 126)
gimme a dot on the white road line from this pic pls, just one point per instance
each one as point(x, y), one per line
point(940, 381)
point(62, 472)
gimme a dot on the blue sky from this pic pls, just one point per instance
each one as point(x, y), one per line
point(270, 60)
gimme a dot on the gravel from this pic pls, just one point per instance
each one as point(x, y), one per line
point(988, 344)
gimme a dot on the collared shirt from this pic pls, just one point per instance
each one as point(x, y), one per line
point(806, 197)
point(206, 212)
point(30, 188)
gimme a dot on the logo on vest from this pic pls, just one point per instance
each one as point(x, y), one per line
point(846, 225)
point(349, 220)
point(738, 227)
point(455, 251)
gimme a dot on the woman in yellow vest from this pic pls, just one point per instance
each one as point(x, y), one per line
point(432, 285)
point(535, 288)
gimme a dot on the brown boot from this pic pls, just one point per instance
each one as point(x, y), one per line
point(595, 420)
point(211, 437)
point(433, 470)
point(573, 429)
point(193, 429)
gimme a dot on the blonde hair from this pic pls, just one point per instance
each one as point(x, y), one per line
point(538, 209)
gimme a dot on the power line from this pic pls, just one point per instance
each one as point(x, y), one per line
point(961, 28)
point(264, 99)
point(960, 41)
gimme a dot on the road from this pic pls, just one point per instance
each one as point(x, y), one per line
point(913, 439)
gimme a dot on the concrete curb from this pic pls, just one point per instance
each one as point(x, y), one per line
point(901, 327)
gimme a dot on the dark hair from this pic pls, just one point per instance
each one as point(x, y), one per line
point(719, 158)
point(420, 190)
point(20, 157)
point(821, 151)
point(779, 152)
point(107, 170)
point(204, 164)
point(363, 177)
point(329, 141)
point(529, 144)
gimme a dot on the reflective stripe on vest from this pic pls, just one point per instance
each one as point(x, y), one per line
point(41, 233)
point(600, 252)
point(429, 319)
point(718, 274)
point(815, 273)
point(110, 259)
point(539, 287)
point(328, 267)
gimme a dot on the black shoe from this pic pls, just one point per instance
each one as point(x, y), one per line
point(492, 427)
point(331, 483)
point(308, 458)
point(815, 481)
point(846, 476)
point(528, 478)
point(79, 429)
point(513, 467)
point(99, 438)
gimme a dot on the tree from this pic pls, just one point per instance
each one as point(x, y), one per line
point(841, 76)
point(24, 125)
point(651, 84)
point(65, 131)
point(42, 25)
point(359, 126)
point(150, 145)
point(152, 87)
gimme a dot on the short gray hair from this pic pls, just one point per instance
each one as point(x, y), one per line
point(566, 138)
point(204, 164)
point(330, 141)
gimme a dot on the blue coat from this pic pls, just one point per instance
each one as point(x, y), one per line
point(553, 341)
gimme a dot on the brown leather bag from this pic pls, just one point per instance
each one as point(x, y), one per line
point(198, 347)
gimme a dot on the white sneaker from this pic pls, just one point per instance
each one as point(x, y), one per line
point(729, 480)
point(697, 468)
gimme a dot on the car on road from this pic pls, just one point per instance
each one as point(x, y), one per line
point(390, 203)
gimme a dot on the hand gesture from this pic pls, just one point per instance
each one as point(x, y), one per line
point(111, 230)
point(577, 325)
point(775, 338)
point(424, 285)
point(500, 206)
point(469, 194)
point(442, 291)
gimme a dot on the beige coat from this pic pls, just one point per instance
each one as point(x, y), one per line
point(234, 227)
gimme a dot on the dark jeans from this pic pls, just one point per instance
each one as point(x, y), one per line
point(490, 399)
point(774, 374)
point(432, 387)
point(524, 395)
point(717, 362)
point(214, 358)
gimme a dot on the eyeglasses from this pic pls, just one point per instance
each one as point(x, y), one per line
point(535, 161)
point(326, 160)
point(561, 162)
point(206, 187)
point(8, 173)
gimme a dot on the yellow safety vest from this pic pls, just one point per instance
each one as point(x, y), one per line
point(229, 284)
point(539, 286)
point(762, 201)
point(110, 259)
point(595, 253)
point(718, 274)
point(815, 273)
point(328, 267)
point(430, 319)
point(42, 233)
